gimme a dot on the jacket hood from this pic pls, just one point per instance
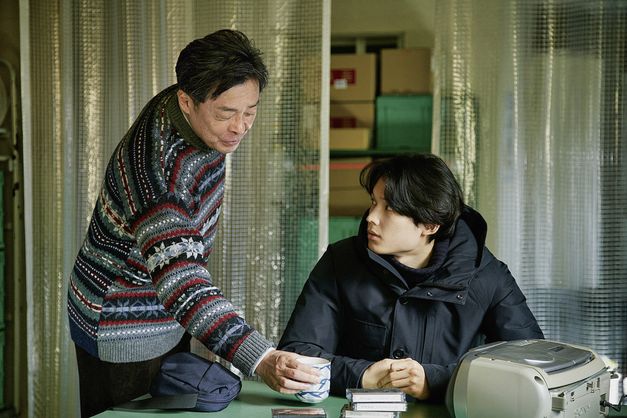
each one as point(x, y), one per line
point(469, 221)
point(464, 257)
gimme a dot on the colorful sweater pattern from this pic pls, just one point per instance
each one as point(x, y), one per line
point(140, 278)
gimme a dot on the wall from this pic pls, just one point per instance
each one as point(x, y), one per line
point(412, 18)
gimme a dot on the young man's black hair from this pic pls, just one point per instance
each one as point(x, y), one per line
point(419, 186)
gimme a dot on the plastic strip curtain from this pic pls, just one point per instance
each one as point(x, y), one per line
point(94, 64)
point(531, 114)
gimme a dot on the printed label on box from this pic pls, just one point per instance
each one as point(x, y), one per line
point(340, 84)
point(343, 122)
point(342, 77)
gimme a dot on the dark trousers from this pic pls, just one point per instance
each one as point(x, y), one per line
point(104, 384)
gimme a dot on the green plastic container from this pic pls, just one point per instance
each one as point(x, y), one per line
point(341, 227)
point(307, 249)
point(404, 123)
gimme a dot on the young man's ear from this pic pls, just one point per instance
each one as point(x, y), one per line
point(430, 229)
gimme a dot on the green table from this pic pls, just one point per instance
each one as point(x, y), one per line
point(256, 400)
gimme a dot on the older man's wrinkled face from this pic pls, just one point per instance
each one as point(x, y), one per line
point(222, 123)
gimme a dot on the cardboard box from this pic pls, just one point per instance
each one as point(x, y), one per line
point(406, 71)
point(348, 202)
point(352, 115)
point(349, 138)
point(353, 77)
point(346, 196)
point(344, 172)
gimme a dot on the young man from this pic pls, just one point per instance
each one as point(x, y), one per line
point(399, 304)
point(140, 284)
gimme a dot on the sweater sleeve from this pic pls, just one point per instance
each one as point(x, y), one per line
point(173, 247)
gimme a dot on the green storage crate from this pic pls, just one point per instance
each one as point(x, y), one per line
point(404, 123)
point(306, 257)
point(341, 227)
point(299, 266)
point(307, 249)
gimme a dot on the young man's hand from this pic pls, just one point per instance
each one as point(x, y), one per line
point(283, 373)
point(376, 372)
point(407, 375)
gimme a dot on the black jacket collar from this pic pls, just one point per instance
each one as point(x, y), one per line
point(465, 255)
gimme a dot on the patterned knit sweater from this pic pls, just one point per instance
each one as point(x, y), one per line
point(140, 278)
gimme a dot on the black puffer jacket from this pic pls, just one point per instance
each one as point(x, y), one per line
point(356, 309)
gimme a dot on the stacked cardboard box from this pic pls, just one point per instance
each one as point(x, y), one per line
point(401, 116)
point(353, 77)
point(404, 108)
point(406, 71)
point(351, 125)
point(346, 196)
point(353, 82)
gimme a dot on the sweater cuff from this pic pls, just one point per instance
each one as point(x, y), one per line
point(250, 353)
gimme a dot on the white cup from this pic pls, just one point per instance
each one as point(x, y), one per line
point(318, 391)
